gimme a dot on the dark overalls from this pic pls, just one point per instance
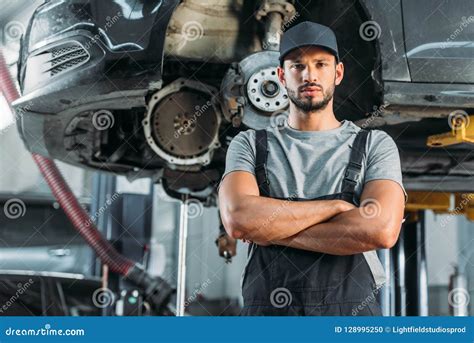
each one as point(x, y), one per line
point(280, 280)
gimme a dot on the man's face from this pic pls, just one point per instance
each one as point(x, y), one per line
point(310, 75)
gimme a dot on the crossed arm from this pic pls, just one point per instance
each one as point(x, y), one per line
point(328, 226)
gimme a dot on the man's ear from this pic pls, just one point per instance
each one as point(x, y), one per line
point(281, 75)
point(339, 73)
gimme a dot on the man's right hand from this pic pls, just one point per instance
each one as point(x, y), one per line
point(345, 206)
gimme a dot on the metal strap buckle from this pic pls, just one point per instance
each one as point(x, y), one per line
point(352, 172)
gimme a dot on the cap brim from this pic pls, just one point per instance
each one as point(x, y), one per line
point(329, 49)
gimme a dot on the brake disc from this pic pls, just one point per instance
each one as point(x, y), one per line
point(252, 93)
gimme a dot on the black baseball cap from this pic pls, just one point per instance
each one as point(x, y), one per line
point(308, 34)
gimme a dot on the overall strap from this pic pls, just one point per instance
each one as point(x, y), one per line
point(261, 162)
point(353, 170)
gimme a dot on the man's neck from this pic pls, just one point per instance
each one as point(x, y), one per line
point(320, 120)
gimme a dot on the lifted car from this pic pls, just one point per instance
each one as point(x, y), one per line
point(158, 88)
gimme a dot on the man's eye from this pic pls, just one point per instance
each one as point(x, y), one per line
point(298, 66)
point(321, 64)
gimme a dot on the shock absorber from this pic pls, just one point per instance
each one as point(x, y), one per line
point(276, 13)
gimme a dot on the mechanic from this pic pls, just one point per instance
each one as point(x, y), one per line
point(315, 197)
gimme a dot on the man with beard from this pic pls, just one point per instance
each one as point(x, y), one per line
point(314, 198)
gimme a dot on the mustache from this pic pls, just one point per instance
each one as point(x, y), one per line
point(311, 84)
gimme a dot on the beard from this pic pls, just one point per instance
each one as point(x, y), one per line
point(308, 104)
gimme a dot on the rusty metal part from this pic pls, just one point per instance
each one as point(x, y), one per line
point(233, 100)
point(210, 31)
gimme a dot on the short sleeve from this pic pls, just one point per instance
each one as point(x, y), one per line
point(383, 159)
point(241, 153)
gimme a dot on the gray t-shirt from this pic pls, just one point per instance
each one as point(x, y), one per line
point(310, 164)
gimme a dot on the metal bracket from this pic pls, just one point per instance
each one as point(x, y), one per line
point(461, 131)
point(441, 202)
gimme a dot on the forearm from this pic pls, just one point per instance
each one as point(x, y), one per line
point(345, 234)
point(262, 219)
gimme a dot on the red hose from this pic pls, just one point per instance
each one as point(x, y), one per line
point(63, 194)
point(6, 83)
point(79, 218)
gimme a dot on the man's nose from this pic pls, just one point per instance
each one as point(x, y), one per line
point(310, 75)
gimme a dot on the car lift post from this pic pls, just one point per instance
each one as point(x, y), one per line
point(398, 258)
point(416, 274)
point(183, 234)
